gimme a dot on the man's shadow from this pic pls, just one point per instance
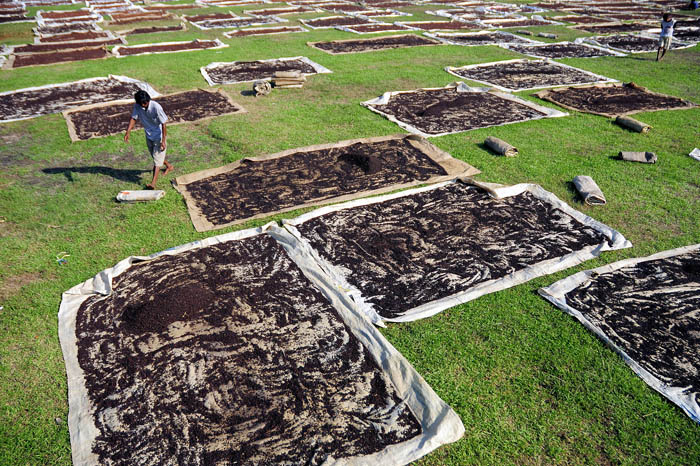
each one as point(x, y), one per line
point(130, 176)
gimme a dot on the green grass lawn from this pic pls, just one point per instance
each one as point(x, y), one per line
point(530, 384)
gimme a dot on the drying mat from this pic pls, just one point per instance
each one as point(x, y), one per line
point(154, 29)
point(613, 28)
point(168, 47)
point(633, 43)
point(480, 38)
point(578, 19)
point(613, 99)
point(519, 22)
point(337, 47)
point(562, 50)
point(455, 108)
point(247, 71)
point(373, 28)
point(238, 22)
point(646, 309)
point(76, 36)
point(439, 25)
point(683, 34)
point(225, 351)
point(99, 120)
point(261, 186)
point(524, 75)
point(50, 58)
point(65, 28)
point(295, 10)
point(410, 255)
point(59, 46)
point(263, 31)
point(32, 102)
point(328, 22)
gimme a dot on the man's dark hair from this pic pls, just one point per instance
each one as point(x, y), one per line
point(142, 97)
point(666, 16)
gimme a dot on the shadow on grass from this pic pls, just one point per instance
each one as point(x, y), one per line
point(131, 176)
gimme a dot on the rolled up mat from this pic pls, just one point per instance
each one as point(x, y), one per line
point(524, 32)
point(140, 196)
point(289, 74)
point(631, 123)
point(547, 35)
point(500, 146)
point(589, 190)
point(642, 157)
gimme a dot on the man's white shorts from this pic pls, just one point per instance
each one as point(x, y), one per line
point(665, 42)
point(157, 154)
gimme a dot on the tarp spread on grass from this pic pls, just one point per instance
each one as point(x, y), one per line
point(337, 47)
point(247, 71)
point(261, 186)
point(613, 99)
point(167, 47)
point(562, 50)
point(50, 58)
point(646, 309)
point(472, 39)
point(524, 74)
point(455, 108)
point(100, 120)
point(236, 349)
point(32, 102)
point(395, 266)
point(633, 43)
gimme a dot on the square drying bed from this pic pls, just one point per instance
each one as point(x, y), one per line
point(32, 102)
point(562, 50)
point(337, 47)
point(524, 74)
point(261, 186)
point(472, 39)
point(388, 253)
point(243, 355)
point(50, 58)
point(613, 99)
point(455, 108)
point(263, 31)
point(646, 309)
point(168, 47)
point(634, 43)
point(247, 71)
point(105, 119)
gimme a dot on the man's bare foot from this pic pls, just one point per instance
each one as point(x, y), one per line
point(168, 169)
point(150, 186)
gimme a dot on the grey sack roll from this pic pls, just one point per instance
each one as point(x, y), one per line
point(631, 123)
point(642, 157)
point(589, 190)
point(500, 146)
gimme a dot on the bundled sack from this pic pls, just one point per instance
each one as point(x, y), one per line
point(641, 157)
point(262, 88)
point(589, 190)
point(140, 196)
point(631, 123)
point(500, 147)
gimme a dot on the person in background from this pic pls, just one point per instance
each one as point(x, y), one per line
point(666, 36)
point(153, 119)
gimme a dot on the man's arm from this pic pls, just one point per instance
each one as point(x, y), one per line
point(132, 122)
point(165, 133)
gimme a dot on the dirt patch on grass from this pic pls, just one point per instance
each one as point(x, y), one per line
point(10, 286)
